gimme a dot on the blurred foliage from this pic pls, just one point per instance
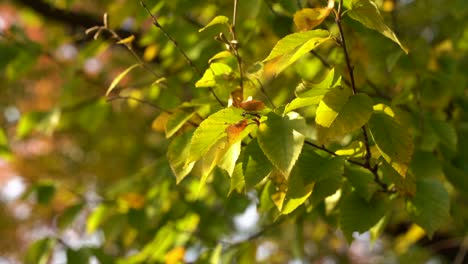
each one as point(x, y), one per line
point(119, 125)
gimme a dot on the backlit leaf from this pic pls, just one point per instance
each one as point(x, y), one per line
point(177, 155)
point(120, 77)
point(215, 21)
point(340, 113)
point(309, 18)
point(176, 121)
point(256, 165)
point(296, 45)
point(366, 12)
point(281, 141)
point(216, 72)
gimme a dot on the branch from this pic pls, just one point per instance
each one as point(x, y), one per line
point(171, 39)
point(76, 20)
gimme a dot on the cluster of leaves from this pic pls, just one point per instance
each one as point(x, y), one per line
point(320, 142)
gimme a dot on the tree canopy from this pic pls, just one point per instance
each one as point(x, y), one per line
point(261, 131)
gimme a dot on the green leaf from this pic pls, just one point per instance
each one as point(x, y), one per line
point(359, 215)
point(211, 130)
point(425, 165)
point(296, 45)
point(44, 192)
point(255, 165)
point(77, 256)
point(355, 149)
point(237, 179)
point(340, 113)
point(44, 122)
point(228, 160)
point(406, 186)
point(214, 74)
point(429, 208)
point(120, 77)
point(457, 177)
point(308, 89)
point(367, 13)
point(280, 140)
point(362, 180)
point(215, 21)
point(39, 251)
point(309, 168)
point(325, 188)
point(393, 141)
point(97, 217)
point(177, 154)
point(446, 133)
point(176, 121)
point(69, 215)
point(4, 147)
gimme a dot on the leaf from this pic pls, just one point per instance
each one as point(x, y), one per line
point(446, 133)
point(215, 21)
point(237, 179)
point(69, 215)
point(213, 74)
point(220, 55)
point(309, 169)
point(340, 113)
point(43, 122)
point(308, 89)
point(406, 186)
point(358, 215)
point(392, 140)
point(325, 188)
point(309, 18)
point(429, 208)
point(228, 160)
point(255, 165)
point(96, 218)
point(77, 256)
point(457, 177)
point(425, 165)
point(176, 121)
point(280, 140)
point(362, 180)
point(44, 192)
point(126, 41)
point(367, 13)
point(296, 45)
point(211, 130)
point(177, 154)
point(356, 149)
point(120, 77)
point(39, 251)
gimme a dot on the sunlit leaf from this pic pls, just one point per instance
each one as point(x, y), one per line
point(215, 21)
point(127, 40)
point(294, 46)
point(119, 77)
point(211, 130)
point(176, 121)
point(429, 208)
point(177, 154)
point(213, 74)
point(309, 18)
point(393, 141)
point(366, 12)
point(39, 251)
point(340, 113)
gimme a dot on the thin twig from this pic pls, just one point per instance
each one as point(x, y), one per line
point(234, 45)
point(462, 252)
point(176, 44)
point(262, 88)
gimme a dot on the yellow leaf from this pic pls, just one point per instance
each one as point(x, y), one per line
point(175, 256)
point(151, 52)
point(309, 18)
point(127, 40)
point(119, 78)
point(159, 124)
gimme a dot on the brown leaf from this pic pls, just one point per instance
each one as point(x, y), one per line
point(309, 18)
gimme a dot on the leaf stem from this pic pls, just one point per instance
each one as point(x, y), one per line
point(176, 44)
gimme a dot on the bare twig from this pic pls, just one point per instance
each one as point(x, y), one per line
point(234, 45)
point(176, 44)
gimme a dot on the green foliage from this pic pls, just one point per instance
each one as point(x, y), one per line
point(321, 127)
